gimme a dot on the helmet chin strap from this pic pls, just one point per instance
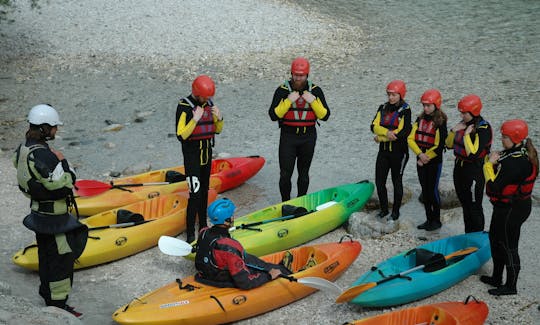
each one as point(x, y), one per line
point(46, 135)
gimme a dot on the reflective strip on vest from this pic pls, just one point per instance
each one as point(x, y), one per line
point(25, 175)
point(300, 114)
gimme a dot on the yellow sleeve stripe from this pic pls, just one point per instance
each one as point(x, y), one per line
point(282, 107)
point(318, 108)
point(411, 141)
point(489, 172)
point(185, 129)
point(377, 128)
point(470, 146)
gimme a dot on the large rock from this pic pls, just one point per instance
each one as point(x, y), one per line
point(17, 310)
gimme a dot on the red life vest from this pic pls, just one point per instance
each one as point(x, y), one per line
point(510, 192)
point(300, 114)
point(205, 128)
point(390, 120)
point(425, 134)
point(459, 146)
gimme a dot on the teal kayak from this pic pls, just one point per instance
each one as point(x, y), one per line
point(272, 229)
point(416, 274)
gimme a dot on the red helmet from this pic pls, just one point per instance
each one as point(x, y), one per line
point(203, 86)
point(432, 96)
point(300, 65)
point(397, 86)
point(470, 103)
point(516, 130)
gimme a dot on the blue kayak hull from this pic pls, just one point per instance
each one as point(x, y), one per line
point(420, 284)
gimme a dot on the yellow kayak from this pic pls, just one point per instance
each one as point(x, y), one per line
point(163, 215)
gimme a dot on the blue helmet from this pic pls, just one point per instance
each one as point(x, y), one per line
point(221, 210)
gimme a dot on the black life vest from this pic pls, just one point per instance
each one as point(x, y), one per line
point(205, 262)
point(510, 192)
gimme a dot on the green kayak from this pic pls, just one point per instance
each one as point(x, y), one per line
point(299, 220)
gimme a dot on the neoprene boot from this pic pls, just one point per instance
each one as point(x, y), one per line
point(509, 288)
point(496, 279)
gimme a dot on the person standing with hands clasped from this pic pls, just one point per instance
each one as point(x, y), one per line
point(45, 177)
point(221, 260)
point(427, 142)
point(197, 121)
point(297, 105)
point(471, 140)
point(391, 126)
point(510, 176)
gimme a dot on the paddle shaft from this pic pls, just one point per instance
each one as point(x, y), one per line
point(420, 267)
point(292, 216)
point(281, 275)
point(258, 223)
point(121, 225)
point(352, 292)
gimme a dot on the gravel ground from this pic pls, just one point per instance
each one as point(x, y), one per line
point(128, 62)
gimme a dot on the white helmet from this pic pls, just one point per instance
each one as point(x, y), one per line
point(44, 114)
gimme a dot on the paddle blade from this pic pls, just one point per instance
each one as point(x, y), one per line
point(173, 246)
point(321, 284)
point(461, 252)
point(90, 187)
point(352, 292)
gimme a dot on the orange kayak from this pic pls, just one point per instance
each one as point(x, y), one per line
point(469, 312)
point(226, 173)
point(175, 303)
point(163, 215)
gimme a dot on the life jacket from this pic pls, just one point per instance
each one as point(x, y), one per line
point(510, 192)
point(300, 114)
point(205, 128)
point(390, 120)
point(205, 261)
point(42, 199)
point(24, 174)
point(459, 146)
point(425, 134)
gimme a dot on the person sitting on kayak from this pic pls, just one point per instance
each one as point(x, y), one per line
point(221, 260)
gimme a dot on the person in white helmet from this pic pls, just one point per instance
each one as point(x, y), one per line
point(45, 177)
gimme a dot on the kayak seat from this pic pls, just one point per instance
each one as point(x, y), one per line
point(123, 216)
point(433, 261)
point(287, 261)
point(299, 259)
point(289, 210)
point(172, 176)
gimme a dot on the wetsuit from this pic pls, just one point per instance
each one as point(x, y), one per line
point(428, 138)
point(298, 134)
point(48, 182)
point(393, 155)
point(509, 186)
point(197, 140)
point(470, 151)
point(221, 261)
